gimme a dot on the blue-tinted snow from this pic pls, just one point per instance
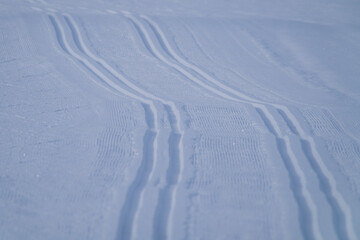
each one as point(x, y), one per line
point(179, 119)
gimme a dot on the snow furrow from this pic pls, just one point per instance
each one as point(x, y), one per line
point(342, 218)
point(338, 216)
point(133, 200)
point(307, 209)
point(218, 63)
point(164, 210)
point(288, 122)
point(175, 146)
point(134, 195)
point(333, 196)
point(188, 120)
point(304, 212)
point(103, 64)
point(341, 211)
point(153, 50)
point(167, 47)
point(228, 93)
point(60, 34)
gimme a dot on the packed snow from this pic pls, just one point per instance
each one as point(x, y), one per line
point(195, 119)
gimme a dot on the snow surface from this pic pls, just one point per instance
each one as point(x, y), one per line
point(190, 119)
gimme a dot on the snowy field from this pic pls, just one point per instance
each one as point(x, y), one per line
point(189, 119)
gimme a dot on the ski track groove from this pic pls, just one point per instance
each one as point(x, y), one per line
point(60, 34)
point(236, 73)
point(149, 43)
point(164, 211)
point(133, 199)
point(341, 210)
point(288, 122)
point(338, 217)
point(307, 208)
point(313, 230)
point(167, 195)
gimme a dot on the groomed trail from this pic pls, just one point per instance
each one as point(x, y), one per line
point(192, 120)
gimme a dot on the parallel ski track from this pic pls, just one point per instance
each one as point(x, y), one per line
point(167, 195)
point(341, 211)
point(164, 210)
point(133, 200)
point(134, 195)
point(236, 73)
point(339, 218)
point(310, 226)
point(307, 207)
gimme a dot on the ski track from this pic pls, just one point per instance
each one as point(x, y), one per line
point(153, 50)
point(308, 219)
point(236, 73)
point(144, 174)
point(164, 211)
point(133, 199)
point(313, 231)
point(340, 209)
point(307, 209)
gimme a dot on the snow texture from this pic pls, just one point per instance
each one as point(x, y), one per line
point(195, 119)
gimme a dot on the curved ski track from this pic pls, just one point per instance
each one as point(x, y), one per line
point(307, 208)
point(236, 73)
point(133, 200)
point(100, 69)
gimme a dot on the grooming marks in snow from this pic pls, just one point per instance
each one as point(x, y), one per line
point(133, 202)
point(143, 120)
point(156, 53)
point(342, 219)
point(164, 209)
point(341, 212)
point(134, 195)
point(307, 208)
point(229, 69)
point(304, 200)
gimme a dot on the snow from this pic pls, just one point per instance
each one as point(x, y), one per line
point(179, 119)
